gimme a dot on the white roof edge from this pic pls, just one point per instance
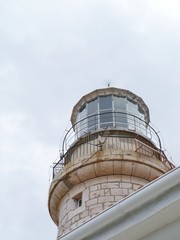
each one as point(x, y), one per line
point(138, 201)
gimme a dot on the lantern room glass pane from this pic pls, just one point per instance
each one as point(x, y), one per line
point(119, 103)
point(106, 119)
point(82, 125)
point(105, 102)
point(120, 116)
point(92, 106)
point(120, 120)
point(105, 111)
point(93, 110)
point(93, 122)
point(132, 110)
point(132, 107)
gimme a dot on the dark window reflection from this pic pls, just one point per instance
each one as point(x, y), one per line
point(119, 103)
point(106, 119)
point(120, 120)
point(140, 110)
point(106, 115)
point(93, 106)
point(105, 102)
point(83, 123)
point(93, 110)
point(82, 108)
point(93, 122)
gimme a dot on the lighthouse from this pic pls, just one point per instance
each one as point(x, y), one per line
point(110, 152)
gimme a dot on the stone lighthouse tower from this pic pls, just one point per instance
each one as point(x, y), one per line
point(110, 151)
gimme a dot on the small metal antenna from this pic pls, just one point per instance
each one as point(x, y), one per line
point(109, 83)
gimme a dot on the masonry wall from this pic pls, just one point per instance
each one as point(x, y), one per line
point(92, 197)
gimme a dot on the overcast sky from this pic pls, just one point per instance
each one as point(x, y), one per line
point(52, 52)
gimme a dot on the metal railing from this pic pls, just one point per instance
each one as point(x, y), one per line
point(85, 132)
point(121, 121)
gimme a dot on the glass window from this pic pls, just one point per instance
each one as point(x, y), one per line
point(83, 113)
point(81, 126)
point(106, 119)
point(93, 122)
point(140, 110)
point(120, 116)
point(120, 119)
point(83, 123)
point(77, 129)
point(82, 108)
point(105, 102)
point(78, 200)
point(141, 113)
point(119, 103)
point(93, 106)
point(132, 112)
point(93, 110)
point(106, 115)
point(132, 107)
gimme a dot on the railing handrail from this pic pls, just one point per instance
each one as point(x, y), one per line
point(162, 157)
point(148, 127)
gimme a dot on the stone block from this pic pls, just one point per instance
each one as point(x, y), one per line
point(97, 193)
point(107, 192)
point(117, 167)
point(127, 167)
point(105, 199)
point(154, 174)
point(67, 224)
point(141, 170)
point(138, 180)
point(126, 185)
point(130, 191)
point(136, 186)
point(75, 218)
point(119, 191)
point(95, 181)
point(64, 220)
point(85, 195)
point(76, 190)
point(125, 178)
point(95, 187)
point(118, 198)
point(110, 185)
point(84, 214)
point(114, 178)
point(86, 172)
point(104, 168)
point(91, 202)
point(74, 225)
point(108, 204)
point(81, 221)
point(95, 209)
